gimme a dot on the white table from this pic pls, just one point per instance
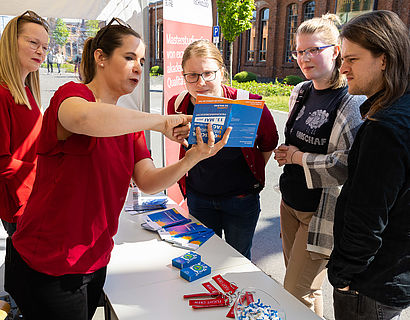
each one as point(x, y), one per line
point(142, 284)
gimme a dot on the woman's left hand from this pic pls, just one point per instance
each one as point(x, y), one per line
point(202, 150)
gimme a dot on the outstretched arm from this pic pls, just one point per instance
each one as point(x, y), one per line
point(77, 115)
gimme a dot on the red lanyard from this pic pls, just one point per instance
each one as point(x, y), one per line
point(219, 299)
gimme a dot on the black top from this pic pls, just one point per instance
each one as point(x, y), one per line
point(224, 175)
point(372, 219)
point(310, 132)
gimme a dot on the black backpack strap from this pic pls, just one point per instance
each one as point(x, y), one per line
point(300, 100)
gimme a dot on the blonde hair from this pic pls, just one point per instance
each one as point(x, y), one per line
point(382, 32)
point(328, 27)
point(204, 49)
point(10, 72)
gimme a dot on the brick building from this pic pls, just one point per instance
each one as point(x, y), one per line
point(265, 48)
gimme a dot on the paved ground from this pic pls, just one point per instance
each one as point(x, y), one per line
point(267, 248)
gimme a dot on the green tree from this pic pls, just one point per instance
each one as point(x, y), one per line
point(60, 33)
point(234, 18)
point(91, 28)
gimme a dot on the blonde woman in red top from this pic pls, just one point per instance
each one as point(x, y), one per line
point(23, 46)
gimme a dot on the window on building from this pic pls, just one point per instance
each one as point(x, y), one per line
point(250, 40)
point(291, 27)
point(75, 48)
point(309, 10)
point(68, 49)
point(263, 43)
point(159, 42)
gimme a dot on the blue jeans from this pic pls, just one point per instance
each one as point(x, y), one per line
point(236, 216)
point(350, 305)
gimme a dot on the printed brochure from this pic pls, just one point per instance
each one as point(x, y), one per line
point(162, 219)
point(242, 115)
point(171, 234)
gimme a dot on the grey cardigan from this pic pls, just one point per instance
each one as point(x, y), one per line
point(329, 171)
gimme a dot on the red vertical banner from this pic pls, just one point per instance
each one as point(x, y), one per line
point(185, 21)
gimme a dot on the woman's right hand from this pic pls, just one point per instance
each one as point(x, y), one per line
point(182, 133)
point(174, 121)
point(202, 150)
point(285, 154)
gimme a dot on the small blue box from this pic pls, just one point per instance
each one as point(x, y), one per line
point(195, 272)
point(186, 260)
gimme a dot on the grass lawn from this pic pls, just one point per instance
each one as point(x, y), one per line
point(280, 103)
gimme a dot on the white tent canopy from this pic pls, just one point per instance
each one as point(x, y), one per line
point(77, 9)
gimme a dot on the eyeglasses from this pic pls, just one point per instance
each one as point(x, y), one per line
point(35, 44)
point(310, 52)
point(36, 17)
point(119, 21)
point(194, 77)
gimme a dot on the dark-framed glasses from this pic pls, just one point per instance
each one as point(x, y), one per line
point(118, 21)
point(310, 52)
point(34, 16)
point(194, 77)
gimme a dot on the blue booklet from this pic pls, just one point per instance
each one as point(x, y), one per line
point(182, 230)
point(193, 242)
point(242, 115)
point(163, 219)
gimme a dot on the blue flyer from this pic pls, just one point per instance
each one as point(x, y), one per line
point(242, 115)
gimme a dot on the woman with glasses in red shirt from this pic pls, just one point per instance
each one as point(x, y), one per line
point(23, 46)
point(89, 150)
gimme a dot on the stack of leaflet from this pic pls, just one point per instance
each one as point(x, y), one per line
point(137, 203)
point(147, 205)
point(189, 236)
point(162, 219)
point(173, 227)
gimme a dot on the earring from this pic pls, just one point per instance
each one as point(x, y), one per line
point(102, 65)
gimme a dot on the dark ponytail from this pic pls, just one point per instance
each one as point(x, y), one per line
point(87, 68)
point(107, 39)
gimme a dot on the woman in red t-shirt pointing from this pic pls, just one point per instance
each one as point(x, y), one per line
point(89, 149)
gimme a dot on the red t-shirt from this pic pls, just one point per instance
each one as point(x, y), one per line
point(19, 131)
point(78, 194)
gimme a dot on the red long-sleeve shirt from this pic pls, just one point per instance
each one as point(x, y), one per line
point(19, 131)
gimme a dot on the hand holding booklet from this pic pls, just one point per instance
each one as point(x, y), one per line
point(242, 115)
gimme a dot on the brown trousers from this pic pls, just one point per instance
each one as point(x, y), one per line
point(305, 271)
